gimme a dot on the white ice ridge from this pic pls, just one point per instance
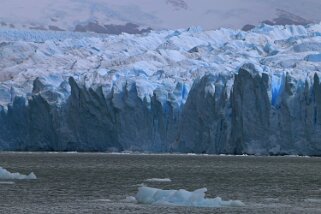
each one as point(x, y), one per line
point(158, 180)
point(160, 63)
point(6, 175)
point(148, 195)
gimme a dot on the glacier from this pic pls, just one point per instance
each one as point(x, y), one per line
point(185, 91)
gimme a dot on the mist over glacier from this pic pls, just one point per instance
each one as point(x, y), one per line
point(187, 90)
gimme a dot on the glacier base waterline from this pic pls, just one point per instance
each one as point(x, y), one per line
point(188, 91)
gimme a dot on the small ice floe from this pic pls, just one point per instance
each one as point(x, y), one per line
point(138, 185)
point(272, 199)
point(148, 195)
point(158, 180)
point(6, 175)
point(103, 200)
point(130, 199)
point(72, 152)
point(7, 182)
point(313, 200)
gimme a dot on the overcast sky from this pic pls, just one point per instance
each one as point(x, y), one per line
point(155, 13)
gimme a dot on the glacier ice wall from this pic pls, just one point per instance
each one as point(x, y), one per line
point(221, 91)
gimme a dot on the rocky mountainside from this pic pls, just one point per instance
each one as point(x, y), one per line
point(140, 16)
point(283, 18)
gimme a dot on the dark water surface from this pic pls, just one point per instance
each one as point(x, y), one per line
point(98, 183)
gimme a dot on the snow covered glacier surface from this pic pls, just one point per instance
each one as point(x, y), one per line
point(221, 91)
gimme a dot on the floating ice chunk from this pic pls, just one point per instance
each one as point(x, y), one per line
point(159, 180)
point(313, 200)
point(130, 199)
point(5, 174)
point(148, 195)
point(7, 182)
point(103, 200)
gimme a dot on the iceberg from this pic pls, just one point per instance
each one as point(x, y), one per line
point(149, 195)
point(6, 175)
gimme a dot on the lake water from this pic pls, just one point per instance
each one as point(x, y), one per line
point(99, 183)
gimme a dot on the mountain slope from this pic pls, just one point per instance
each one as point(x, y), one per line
point(109, 16)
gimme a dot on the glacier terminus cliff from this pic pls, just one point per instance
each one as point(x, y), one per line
point(192, 91)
